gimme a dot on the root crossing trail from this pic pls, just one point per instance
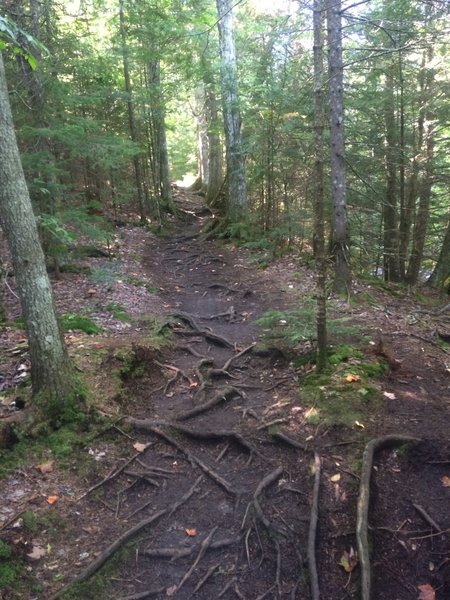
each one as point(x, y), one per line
point(232, 494)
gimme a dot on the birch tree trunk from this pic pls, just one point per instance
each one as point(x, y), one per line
point(340, 236)
point(52, 377)
point(237, 190)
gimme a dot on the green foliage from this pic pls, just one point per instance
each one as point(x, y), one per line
point(79, 322)
point(19, 41)
point(299, 325)
point(49, 521)
point(5, 550)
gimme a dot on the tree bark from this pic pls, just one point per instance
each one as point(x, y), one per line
point(138, 172)
point(237, 189)
point(51, 373)
point(391, 262)
point(319, 212)
point(340, 234)
point(440, 277)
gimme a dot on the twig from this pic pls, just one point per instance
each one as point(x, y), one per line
point(312, 564)
point(431, 535)
point(227, 365)
point(111, 475)
point(142, 595)
point(227, 587)
point(123, 539)
point(203, 548)
point(363, 504)
point(194, 460)
point(205, 578)
point(422, 512)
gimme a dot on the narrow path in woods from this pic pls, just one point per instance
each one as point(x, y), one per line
point(220, 499)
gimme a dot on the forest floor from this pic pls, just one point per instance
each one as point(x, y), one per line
point(202, 483)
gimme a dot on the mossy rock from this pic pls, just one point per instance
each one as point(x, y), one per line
point(78, 322)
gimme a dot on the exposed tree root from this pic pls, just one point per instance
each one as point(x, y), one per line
point(111, 475)
point(214, 435)
point(227, 365)
point(175, 553)
point(203, 548)
point(278, 435)
point(363, 504)
point(142, 595)
point(264, 483)
point(312, 565)
point(123, 539)
point(205, 578)
point(152, 428)
point(227, 393)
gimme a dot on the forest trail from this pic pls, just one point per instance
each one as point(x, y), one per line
point(215, 500)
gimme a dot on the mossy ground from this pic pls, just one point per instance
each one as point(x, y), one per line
point(345, 394)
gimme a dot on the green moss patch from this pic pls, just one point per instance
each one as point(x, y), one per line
point(344, 395)
point(70, 321)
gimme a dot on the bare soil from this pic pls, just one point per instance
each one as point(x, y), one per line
point(220, 503)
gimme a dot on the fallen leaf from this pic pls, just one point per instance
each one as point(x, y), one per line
point(358, 424)
point(140, 447)
point(351, 377)
point(37, 553)
point(191, 532)
point(349, 560)
point(52, 499)
point(171, 590)
point(389, 395)
point(335, 478)
point(445, 480)
point(427, 592)
point(45, 467)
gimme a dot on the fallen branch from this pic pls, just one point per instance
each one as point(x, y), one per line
point(191, 458)
point(227, 365)
point(111, 475)
point(174, 553)
point(203, 548)
point(142, 595)
point(423, 513)
point(363, 504)
point(123, 539)
point(312, 565)
point(228, 393)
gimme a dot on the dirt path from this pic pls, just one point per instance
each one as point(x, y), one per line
point(215, 503)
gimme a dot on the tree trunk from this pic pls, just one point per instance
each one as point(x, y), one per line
point(441, 274)
point(319, 204)
point(52, 377)
point(426, 184)
point(340, 235)
point(237, 190)
point(215, 156)
point(131, 115)
point(390, 209)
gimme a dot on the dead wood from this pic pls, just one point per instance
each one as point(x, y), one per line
point(142, 595)
point(278, 435)
point(152, 428)
point(204, 579)
point(174, 553)
point(203, 548)
point(227, 365)
point(123, 539)
point(191, 350)
point(213, 286)
point(312, 565)
point(111, 475)
point(227, 393)
point(363, 504)
point(423, 513)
